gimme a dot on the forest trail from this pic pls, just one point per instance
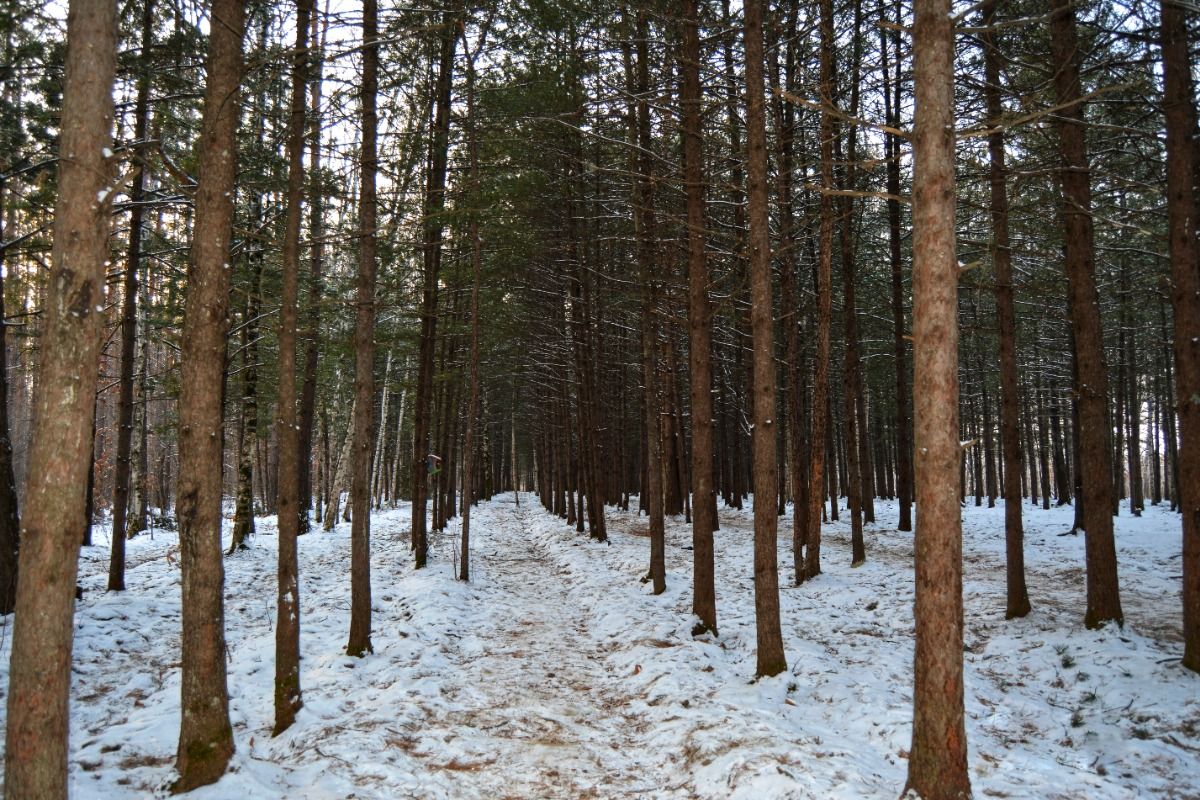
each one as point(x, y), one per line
point(529, 705)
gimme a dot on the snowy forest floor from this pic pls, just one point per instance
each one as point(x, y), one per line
point(555, 673)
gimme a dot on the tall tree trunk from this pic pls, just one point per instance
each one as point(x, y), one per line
point(819, 425)
point(447, 418)
point(1117, 424)
point(469, 482)
point(1043, 441)
point(89, 506)
point(39, 675)
point(771, 660)
point(287, 624)
point(1171, 468)
point(891, 96)
point(1017, 604)
point(435, 201)
point(205, 735)
point(937, 764)
point(359, 643)
point(1137, 499)
point(739, 341)
point(860, 491)
point(243, 515)
point(855, 430)
point(1185, 300)
point(1091, 385)
point(10, 521)
point(646, 225)
point(704, 598)
point(580, 325)
point(985, 434)
point(141, 457)
point(116, 565)
point(312, 321)
point(247, 442)
point(785, 124)
point(1155, 438)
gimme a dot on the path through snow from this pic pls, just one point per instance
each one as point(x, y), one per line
point(526, 701)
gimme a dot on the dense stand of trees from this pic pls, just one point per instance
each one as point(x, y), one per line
point(589, 254)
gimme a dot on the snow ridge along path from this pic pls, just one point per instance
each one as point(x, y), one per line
point(555, 674)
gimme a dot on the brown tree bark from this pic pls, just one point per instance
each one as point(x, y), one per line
point(247, 410)
point(139, 511)
point(312, 322)
point(435, 201)
point(646, 226)
point(243, 515)
point(789, 289)
point(89, 506)
point(1091, 384)
point(857, 465)
point(771, 660)
point(937, 765)
point(10, 522)
point(1155, 436)
point(137, 191)
point(580, 325)
point(985, 435)
point(205, 735)
point(704, 598)
point(1185, 301)
point(35, 757)
point(287, 624)
point(1133, 424)
point(819, 424)
point(247, 439)
point(734, 394)
point(359, 643)
point(673, 487)
point(854, 396)
point(469, 482)
point(1171, 467)
point(1017, 604)
point(447, 418)
point(891, 95)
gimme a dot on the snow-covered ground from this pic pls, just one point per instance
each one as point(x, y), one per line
point(555, 673)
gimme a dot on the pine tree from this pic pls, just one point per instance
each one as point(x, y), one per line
point(937, 765)
point(771, 660)
point(35, 761)
point(205, 736)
